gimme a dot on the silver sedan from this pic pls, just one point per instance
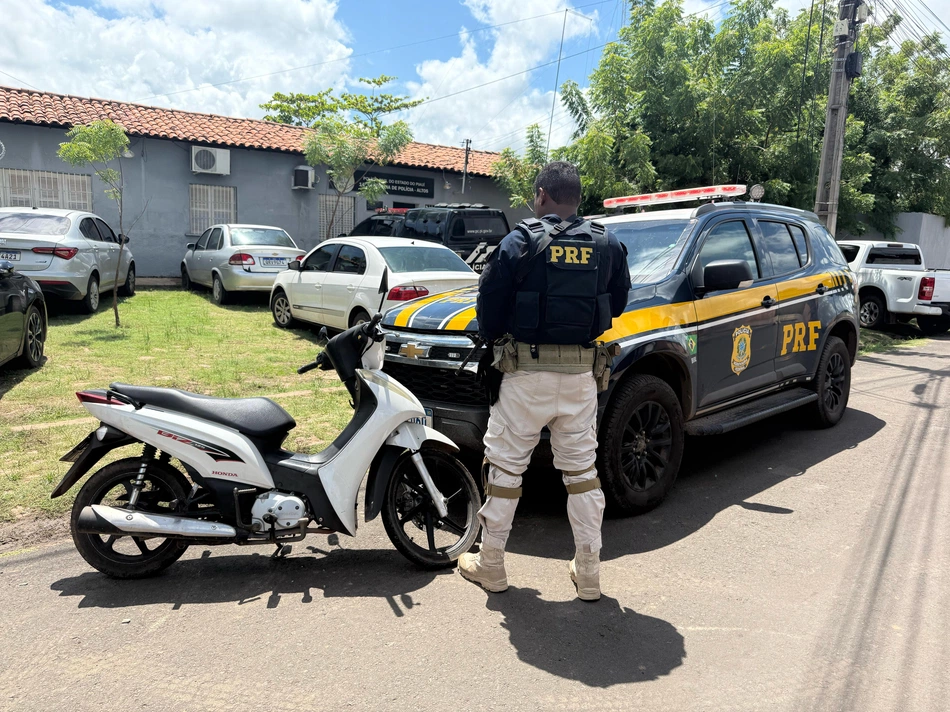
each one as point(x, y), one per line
point(237, 258)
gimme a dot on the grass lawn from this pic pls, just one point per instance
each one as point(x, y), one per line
point(168, 338)
point(180, 340)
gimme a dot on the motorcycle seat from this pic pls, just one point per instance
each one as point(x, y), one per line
point(254, 417)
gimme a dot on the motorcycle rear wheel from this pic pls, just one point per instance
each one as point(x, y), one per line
point(412, 521)
point(130, 557)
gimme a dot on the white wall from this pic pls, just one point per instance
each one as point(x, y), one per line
point(928, 231)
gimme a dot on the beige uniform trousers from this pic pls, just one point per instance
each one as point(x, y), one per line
point(567, 404)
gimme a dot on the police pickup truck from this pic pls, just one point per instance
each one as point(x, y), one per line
point(738, 311)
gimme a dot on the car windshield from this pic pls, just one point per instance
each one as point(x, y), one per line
point(271, 237)
point(422, 259)
point(653, 246)
point(30, 224)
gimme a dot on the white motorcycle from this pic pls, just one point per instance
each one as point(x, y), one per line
point(135, 517)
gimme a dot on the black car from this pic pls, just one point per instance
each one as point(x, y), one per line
point(462, 227)
point(22, 318)
point(379, 225)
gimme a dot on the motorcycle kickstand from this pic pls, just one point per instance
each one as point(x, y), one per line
point(282, 551)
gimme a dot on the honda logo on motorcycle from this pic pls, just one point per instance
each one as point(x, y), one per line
point(216, 453)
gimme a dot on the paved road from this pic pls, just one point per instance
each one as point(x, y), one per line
point(790, 569)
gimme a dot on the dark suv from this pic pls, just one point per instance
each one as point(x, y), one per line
point(738, 311)
point(459, 226)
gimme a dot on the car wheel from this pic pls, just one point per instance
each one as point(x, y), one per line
point(873, 312)
point(34, 340)
point(359, 316)
point(832, 383)
point(218, 293)
point(128, 289)
point(280, 309)
point(90, 303)
point(641, 444)
point(933, 325)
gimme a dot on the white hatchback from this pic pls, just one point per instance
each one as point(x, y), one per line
point(70, 253)
point(337, 283)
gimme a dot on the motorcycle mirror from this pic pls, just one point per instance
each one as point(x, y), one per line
point(383, 288)
point(323, 338)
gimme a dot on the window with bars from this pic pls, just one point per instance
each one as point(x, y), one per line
point(21, 188)
point(211, 205)
point(344, 220)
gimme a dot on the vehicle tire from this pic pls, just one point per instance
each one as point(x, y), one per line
point(933, 325)
point(128, 289)
point(641, 445)
point(873, 312)
point(359, 316)
point(412, 521)
point(90, 303)
point(128, 557)
point(185, 279)
point(34, 340)
point(280, 310)
point(218, 293)
point(832, 383)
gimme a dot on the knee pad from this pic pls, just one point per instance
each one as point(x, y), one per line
point(583, 486)
point(495, 490)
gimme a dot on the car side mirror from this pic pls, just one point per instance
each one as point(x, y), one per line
point(294, 265)
point(725, 274)
point(124, 239)
point(190, 246)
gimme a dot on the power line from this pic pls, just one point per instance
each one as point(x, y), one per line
point(934, 15)
point(362, 54)
point(22, 81)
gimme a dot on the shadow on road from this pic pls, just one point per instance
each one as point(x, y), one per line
point(717, 473)
point(243, 578)
point(599, 644)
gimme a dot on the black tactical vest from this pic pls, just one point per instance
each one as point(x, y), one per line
point(561, 296)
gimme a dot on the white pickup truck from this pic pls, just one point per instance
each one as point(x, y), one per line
point(895, 285)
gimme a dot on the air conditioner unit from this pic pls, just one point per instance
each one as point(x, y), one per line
point(216, 161)
point(304, 178)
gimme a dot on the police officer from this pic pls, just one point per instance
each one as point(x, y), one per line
point(547, 293)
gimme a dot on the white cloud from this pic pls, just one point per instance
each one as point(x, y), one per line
point(496, 115)
point(152, 47)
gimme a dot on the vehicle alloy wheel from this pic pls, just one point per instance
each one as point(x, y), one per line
point(832, 383)
point(641, 444)
point(128, 289)
point(359, 317)
point(35, 340)
point(872, 312)
point(90, 302)
point(218, 293)
point(280, 308)
point(185, 279)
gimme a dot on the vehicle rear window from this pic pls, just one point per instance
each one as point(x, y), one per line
point(260, 236)
point(894, 256)
point(425, 224)
point(478, 227)
point(422, 259)
point(850, 252)
point(653, 246)
point(30, 224)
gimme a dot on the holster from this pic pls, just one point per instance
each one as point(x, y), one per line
point(489, 376)
point(604, 356)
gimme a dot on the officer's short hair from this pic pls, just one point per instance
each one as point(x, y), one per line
point(561, 181)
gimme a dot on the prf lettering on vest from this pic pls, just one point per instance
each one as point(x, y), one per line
point(794, 335)
point(571, 255)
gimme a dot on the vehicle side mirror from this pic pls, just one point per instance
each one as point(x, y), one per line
point(323, 338)
point(294, 265)
point(124, 239)
point(725, 274)
point(190, 246)
point(384, 282)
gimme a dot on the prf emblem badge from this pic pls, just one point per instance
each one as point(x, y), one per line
point(741, 349)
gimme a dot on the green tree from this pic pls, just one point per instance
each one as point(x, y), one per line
point(515, 174)
point(345, 146)
point(98, 144)
point(369, 109)
point(300, 109)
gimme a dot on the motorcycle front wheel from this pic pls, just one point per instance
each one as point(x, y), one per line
point(122, 556)
point(412, 520)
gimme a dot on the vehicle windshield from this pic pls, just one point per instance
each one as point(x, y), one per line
point(653, 246)
point(31, 224)
point(260, 236)
point(850, 252)
point(422, 259)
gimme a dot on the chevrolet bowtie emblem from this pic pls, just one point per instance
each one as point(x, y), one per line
point(413, 351)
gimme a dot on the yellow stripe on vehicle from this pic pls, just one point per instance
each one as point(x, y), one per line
point(727, 304)
point(402, 319)
point(804, 285)
point(460, 321)
point(640, 321)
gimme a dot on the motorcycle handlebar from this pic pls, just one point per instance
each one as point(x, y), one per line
point(308, 367)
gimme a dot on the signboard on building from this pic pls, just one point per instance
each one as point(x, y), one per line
point(402, 184)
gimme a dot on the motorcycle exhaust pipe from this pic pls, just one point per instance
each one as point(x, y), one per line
point(100, 519)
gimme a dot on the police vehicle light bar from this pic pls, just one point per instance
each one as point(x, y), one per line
point(676, 196)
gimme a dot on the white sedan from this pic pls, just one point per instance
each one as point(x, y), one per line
point(337, 283)
point(69, 253)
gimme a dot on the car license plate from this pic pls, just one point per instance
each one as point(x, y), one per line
point(424, 421)
point(12, 255)
point(273, 261)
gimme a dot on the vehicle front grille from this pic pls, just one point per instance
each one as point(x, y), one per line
point(438, 384)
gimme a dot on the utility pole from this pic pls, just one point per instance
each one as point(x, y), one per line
point(846, 65)
point(468, 147)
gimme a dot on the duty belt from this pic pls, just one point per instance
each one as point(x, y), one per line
point(511, 356)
